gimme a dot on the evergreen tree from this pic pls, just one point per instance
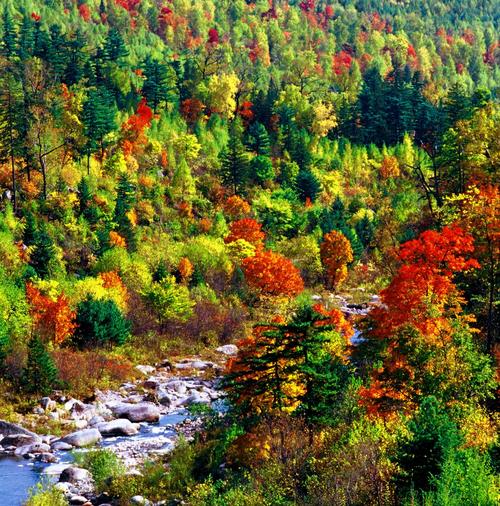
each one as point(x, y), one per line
point(125, 200)
point(26, 39)
point(44, 253)
point(114, 47)
point(262, 169)
point(157, 87)
point(30, 229)
point(234, 164)
point(98, 115)
point(4, 342)
point(40, 375)
point(57, 52)
point(259, 139)
point(100, 323)
point(365, 231)
point(9, 39)
point(308, 185)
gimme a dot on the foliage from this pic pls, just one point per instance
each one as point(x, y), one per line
point(40, 374)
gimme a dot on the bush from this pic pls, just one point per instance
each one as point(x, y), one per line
point(40, 374)
point(102, 464)
point(45, 495)
point(100, 323)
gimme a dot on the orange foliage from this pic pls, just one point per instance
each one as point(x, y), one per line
point(84, 11)
point(247, 229)
point(53, 318)
point(115, 239)
point(185, 269)
point(133, 128)
point(192, 109)
point(389, 167)
point(111, 279)
point(336, 253)
point(272, 274)
point(235, 207)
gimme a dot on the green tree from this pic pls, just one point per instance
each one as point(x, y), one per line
point(9, 39)
point(157, 88)
point(100, 323)
point(44, 254)
point(4, 342)
point(115, 49)
point(262, 169)
point(125, 200)
point(259, 139)
point(30, 229)
point(308, 185)
point(234, 164)
point(40, 375)
point(169, 300)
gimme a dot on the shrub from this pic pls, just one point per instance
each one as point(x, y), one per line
point(100, 323)
point(45, 495)
point(102, 464)
point(40, 374)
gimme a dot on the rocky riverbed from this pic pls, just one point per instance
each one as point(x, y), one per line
point(140, 420)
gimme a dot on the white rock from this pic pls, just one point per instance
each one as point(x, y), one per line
point(145, 369)
point(119, 427)
point(228, 349)
point(82, 438)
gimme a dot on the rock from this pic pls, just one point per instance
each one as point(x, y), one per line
point(61, 446)
point(141, 412)
point(82, 438)
point(47, 458)
point(48, 404)
point(32, 449)
point(55, 469)
point(95, 420)
point(38, 410)
point(78, 499)
point(64, 487)
point(228, 349)
point(165, 399)
point(145, 369)
point(151, 384)
point(73, 474)
point(119, 427)
point(19, 440)
point(54, 415)
point(81, 424)
point(195, 398)
point(178, 386)
point(138, 499)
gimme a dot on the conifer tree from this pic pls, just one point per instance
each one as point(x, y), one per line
point(4, 342)
point(259, 139)
point(365, 231)
point(114, 47)
point(30, 229)
point(308, 185)
point(26, 38)
point(125, 200)
point(9, 39)
point(157, 87)
point(44, 253)
point(40, 374)
point(234, 163)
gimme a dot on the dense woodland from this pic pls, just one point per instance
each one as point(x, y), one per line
point(176, 175)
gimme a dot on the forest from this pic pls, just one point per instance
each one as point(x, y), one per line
point(312, 185)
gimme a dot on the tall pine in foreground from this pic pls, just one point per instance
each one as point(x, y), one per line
point(40, 374)
point(234, 162)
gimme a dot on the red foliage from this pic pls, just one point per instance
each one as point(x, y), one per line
point(53, 319)
point(192, 109)
point(134, 127)
point(411, 51)
point(84, 11)
point(235, 207)
point(377, 22)
point(213, 36)
point(329, 12)
point(245, 111)
point(272, 274)
point(247, 229)
point(129, 5)
point(36, 17)
point(342, 62)
point(307, 5)
point(469, 36)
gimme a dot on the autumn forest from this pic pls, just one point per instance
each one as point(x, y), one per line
point(249, 252)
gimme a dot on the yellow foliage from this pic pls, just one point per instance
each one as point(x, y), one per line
point(221, 94)
point(324, 119)
point(94, 287)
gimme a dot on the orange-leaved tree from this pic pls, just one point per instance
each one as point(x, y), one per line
point(418, 338)
point(247, 229)
point(336, 254)
point(53, 318)
point(272, 274)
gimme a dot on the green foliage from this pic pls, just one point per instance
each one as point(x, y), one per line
point(102, 464)
point(46, 495)
point(169, 300)
point(40, 374)
point(100, 323)
point(262, 169)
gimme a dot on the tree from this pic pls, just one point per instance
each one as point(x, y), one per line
point(308, 185)
point(157, 88)
point(336, 254)
point(234, 164)
point(4, 343)
point(272, 274)
point(247, 229)
point(100, 323)
point(259, 139)
point(9, 40)
point(115, 49)
point(44, 252)
point(262, 169)
point(52, 316)
point(98, 115)
point(40, 375)
point(125, 200)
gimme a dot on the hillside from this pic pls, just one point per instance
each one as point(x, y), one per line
point(177, 175)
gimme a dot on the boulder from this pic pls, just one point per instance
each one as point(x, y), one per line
point(141, 412)
point(178, 386)
point(145, 369)
point(82, 438)
point(119, 427)
point(73, 474)
point(55, 469)
point(228, 349)
point(7, 428)
point(48, 404)
point(195, 398)
point(61, 446)
point(46, 458)
point(18, 440)
point(78, 500)
point(32, 449)
point(151, 384)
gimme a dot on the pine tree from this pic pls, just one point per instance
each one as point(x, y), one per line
point(125, 200)
point(365, 231)
point(114, 47)
point(57, 52)
point(183, 184)
point(11, 127)
point(30, 230)
point(98, 115)
point(44, 253)
point(157, 87)
point(4, 342)
point(308, 185)
point(9, 39)
point(234, 164)
point(40, 374)
point(259, 139)
point(26, 39)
